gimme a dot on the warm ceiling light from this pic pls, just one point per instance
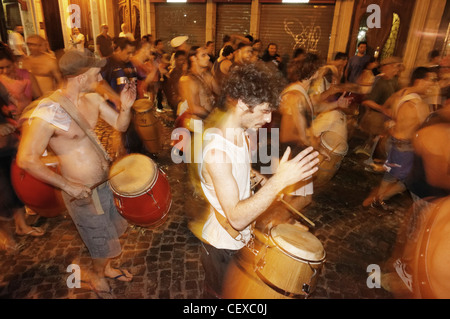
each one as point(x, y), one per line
point(295, 1)
point(176, 0)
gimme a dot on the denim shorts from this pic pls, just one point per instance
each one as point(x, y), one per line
point(100, 231)
point(399, 161)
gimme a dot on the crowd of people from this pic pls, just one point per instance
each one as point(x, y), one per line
point(316, 106)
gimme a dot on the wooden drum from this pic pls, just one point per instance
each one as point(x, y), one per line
point(336, 148)
point(287, 267)
point(147, 126)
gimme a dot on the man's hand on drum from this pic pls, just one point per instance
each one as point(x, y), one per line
point(128, 96)
point(297, 169)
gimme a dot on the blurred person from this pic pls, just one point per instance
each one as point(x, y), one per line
point(172, 82)
point(296, 124)
point(77, 40)
point(299, 54)
point(146, 68)
point(250, 95)
point(428, 183)
point(271, 55)
point(222, 65)
point(197, 87)
point(118, 73)
point(376, 110)
point(242, 55)
point(147, 38)
point(11, 207)
point(125, 33)
point(357, 63)
point(159, 77)
point(178, 44)
point(328, 96)
point(257, 50)
point(210, 48)
point(17, 43)
point(104, 42)
point(367, 77)
point(42, 65)
point(118, 70)
point(408, 113)
point(20, 84)
point(83, 164)
point(296, 108)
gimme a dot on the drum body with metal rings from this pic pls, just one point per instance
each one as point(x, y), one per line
point(336, 147)
point(431, 261)
point(288, 267)
point(141, 190)
point(42, 198)
point(147, 125)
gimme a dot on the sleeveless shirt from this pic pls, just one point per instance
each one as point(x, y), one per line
point(213, 232)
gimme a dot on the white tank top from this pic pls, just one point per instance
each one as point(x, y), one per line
point(213, 232)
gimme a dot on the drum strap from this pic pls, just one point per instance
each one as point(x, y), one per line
point(226, 225)
point(72, 110)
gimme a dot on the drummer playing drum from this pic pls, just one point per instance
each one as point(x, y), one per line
point(251, 94)
point(82, 164)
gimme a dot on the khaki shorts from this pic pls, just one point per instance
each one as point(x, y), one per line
point(98, 222)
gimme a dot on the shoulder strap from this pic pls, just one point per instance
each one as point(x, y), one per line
point(71, 109)
point(226, 225)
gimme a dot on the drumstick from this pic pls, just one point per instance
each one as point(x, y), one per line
point(297, 212)
point(103, 181)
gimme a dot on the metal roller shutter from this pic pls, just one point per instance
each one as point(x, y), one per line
point(173, 20)
point(232, 19)
point(297, 25)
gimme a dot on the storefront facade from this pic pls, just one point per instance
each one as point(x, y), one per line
point(407, 28)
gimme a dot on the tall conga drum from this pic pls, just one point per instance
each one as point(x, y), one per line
point(42, 198)
point(336, 147)
point(141, 190)
point(431, 260)
point(286, 267)
point(147, 125)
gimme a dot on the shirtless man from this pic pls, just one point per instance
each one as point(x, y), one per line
point(297, 111)
point(43, 66)
point(243, 54)
point(251, 94)
point(82, 165)
point(408, 113)
point(197, 86)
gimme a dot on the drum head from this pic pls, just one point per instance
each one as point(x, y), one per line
point(297, 242)
point(136, 173)
point(334, 142)
point(142, 105)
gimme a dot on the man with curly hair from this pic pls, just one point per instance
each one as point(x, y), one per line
point(250, 94)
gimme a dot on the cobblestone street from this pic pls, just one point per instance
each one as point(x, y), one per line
point(165, 261)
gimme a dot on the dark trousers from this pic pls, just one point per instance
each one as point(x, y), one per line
point(215, 263)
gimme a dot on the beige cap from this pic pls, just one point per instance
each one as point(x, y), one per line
point(75, 62)
point(390, 60)
point(176, 42)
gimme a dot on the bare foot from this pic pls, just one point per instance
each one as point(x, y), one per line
point(118, 274)
point(101, 287)
point(30, 231)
